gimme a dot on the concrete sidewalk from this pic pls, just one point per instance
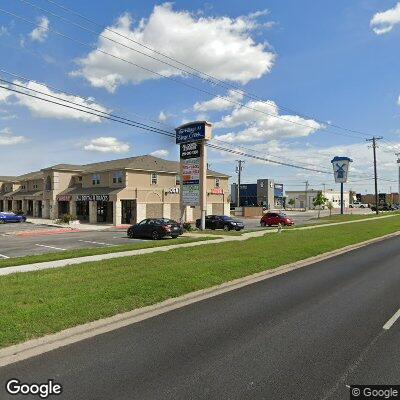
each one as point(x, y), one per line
point(131, 253)
point(74, 225)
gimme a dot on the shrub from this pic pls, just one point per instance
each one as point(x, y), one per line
point(66, 219)
point(188, 227)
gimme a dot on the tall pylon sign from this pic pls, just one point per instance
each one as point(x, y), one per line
point(341, 171)
point(192, 138)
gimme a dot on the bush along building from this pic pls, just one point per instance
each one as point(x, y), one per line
point(264, 193)
point(117, 192)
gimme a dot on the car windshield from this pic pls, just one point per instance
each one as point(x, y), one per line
point(282, 215)
point(226, 218)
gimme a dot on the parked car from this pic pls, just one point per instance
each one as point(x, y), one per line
point(155, 228)
point(358, 204)
point(271, 218)
point(221, 222)
point(384, 207)
point(11, 217)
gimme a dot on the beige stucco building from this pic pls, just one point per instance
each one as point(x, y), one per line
point(117, 192)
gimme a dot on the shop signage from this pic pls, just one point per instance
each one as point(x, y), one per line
point(217, 191)
point(93, 197)
point(341, 168)
point(174, 190)
point(191, 132)
point(191, 181)
point(190, 150)
point(64, 198)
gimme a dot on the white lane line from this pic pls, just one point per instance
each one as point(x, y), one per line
point(50, 247)
point(89, 241)
point(392, 320)
point(3, 256)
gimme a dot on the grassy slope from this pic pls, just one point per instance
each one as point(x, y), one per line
point(62, 255)
point(37, 303)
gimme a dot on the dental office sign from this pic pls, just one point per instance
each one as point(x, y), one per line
point(341, 168)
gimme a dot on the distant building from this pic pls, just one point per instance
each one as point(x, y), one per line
point(383, 198)
point(263, 193)
point(299, 197)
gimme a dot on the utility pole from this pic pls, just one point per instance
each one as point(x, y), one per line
point(239, 170)
point(324, 184)
point(306, 194)
point(373, 140)
point(398, 162)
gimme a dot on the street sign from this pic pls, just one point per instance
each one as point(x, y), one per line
point(341, 168)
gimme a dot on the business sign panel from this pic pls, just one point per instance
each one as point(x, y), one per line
point(191, 132)
point(93, 197)
point(278, 190)
point(64, 198)
point(341, 168)
point(190, 150)
point(191, 181)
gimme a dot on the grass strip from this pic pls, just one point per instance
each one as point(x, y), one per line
point(62, 255)
point(34, 304)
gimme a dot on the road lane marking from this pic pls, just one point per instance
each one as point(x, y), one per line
point(392, 320)
point(50, 247)
point(89, 241)
point(3, 256)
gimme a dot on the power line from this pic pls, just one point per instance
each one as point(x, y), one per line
point(242, 105)
point(199, 74)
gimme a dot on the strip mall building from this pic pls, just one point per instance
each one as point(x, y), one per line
point(117, 192)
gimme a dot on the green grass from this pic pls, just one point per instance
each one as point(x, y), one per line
point(62, 255)
point(37, 303)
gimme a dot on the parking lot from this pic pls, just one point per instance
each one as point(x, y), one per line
point(26, 239)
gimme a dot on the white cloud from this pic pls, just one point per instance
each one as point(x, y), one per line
point(219, 103)
point(162, 116)
point(7, 138)
point(4, 94)
point(39, 34)
point(160, 153)
point(398, 101)
point(260, 121)
point(107, 145)
point(384, 22)
point(3, 31)
point(44, 109)
point(219, 46)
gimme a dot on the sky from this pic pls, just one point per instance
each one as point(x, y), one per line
point(297, 82)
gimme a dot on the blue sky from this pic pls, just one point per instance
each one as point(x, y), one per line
point(317, 63)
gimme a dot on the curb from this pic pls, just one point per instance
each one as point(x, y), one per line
point(35, 347)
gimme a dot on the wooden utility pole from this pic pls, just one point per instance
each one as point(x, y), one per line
point(373, 140)
point(239, 170)
point(306, 194)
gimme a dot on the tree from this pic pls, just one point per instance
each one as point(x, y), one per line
point(330, 207)
point(291, 203)
point(319, 201)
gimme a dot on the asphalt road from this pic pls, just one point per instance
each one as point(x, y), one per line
point(302, 335)
point(41, 240)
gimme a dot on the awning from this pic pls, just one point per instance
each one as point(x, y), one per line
point(88, 194)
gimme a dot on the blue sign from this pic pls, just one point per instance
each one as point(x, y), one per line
point(190, 133)
point(341, 168)
point(278, 190)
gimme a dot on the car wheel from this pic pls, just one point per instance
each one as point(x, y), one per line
point(174, 237)
point(227, 228)
point(2, 222)
point(131, 235)
point(262, 223)
point(155, 235)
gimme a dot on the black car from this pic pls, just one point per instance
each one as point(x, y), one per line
point(155, 228)
point(221, 222)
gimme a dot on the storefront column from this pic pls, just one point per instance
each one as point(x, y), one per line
point(93, 212)
point(209, 209)
point(24, 206)
point(141, 212)
point(166, 210)
point(35, 208)
point(227, 209)
point(54, 209)
point(117, 212)
point(188, 214)
point(72, 209)
point(5, 205)
point(14, 206)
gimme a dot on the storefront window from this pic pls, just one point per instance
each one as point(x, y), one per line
point(95, 179)
point(117, 177)
point(177, 180)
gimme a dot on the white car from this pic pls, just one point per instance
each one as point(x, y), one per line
point(358, 204)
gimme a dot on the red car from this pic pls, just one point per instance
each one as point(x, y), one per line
point(271, 218)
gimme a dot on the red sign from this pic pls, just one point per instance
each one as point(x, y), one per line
point(217, 191)
point(64, 198)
